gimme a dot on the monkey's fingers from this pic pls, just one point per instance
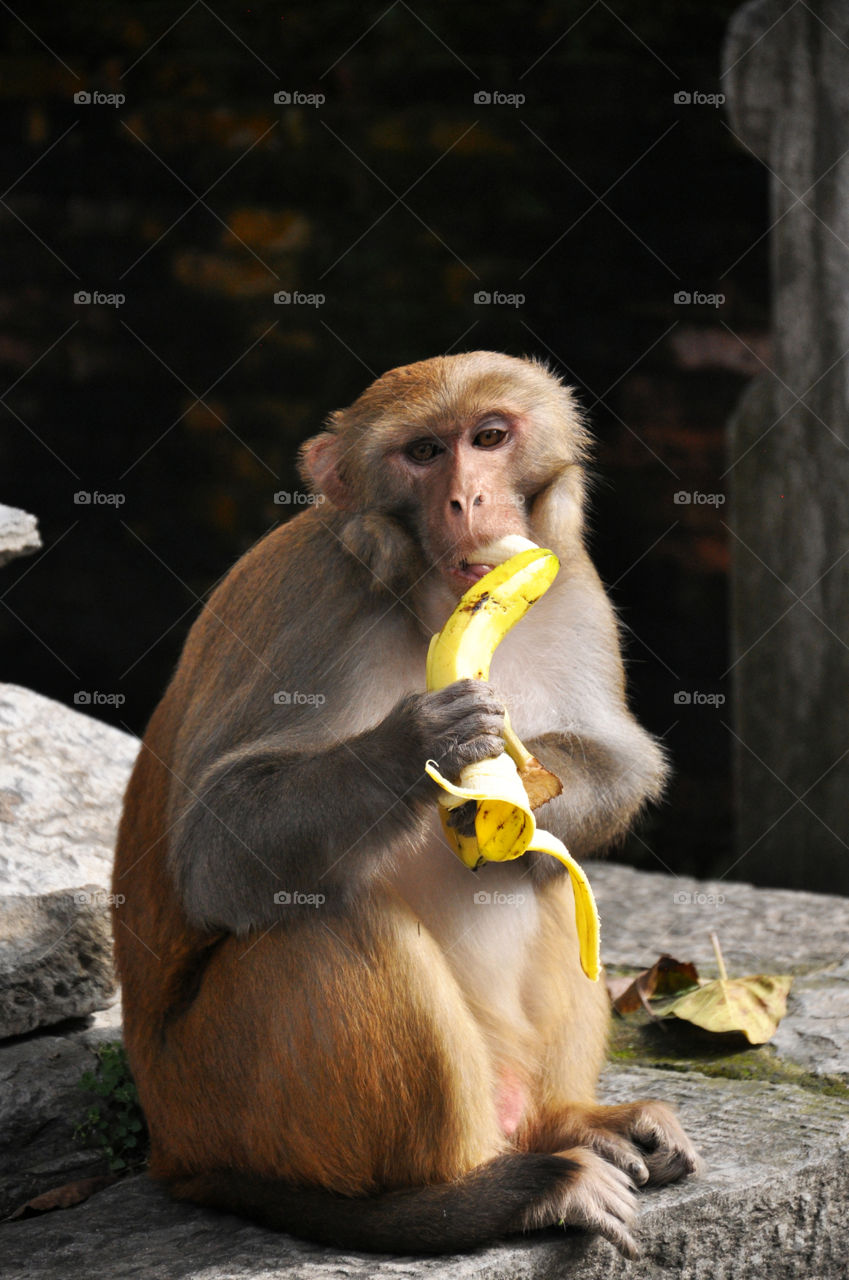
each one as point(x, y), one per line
point(663, 1144)
point(601, 1199)
point(462, 820)
point(620, 1152)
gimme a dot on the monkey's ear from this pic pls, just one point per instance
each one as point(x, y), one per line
point(319, 464)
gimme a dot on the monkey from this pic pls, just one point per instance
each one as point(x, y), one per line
point(334, 1026)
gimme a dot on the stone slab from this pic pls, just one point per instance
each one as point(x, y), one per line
point(772, 1201)
point(760, 931)
point(41, 1104)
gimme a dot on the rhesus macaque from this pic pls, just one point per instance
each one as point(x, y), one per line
point(335, 1027)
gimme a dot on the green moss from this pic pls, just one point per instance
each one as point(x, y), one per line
point(672, 1046)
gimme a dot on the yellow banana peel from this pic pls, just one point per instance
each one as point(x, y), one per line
point(506, 788)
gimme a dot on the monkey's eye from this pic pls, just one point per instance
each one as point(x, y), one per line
point(489, 436)
point(423, 450)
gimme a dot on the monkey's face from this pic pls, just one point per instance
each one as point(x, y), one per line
point(462, 489)
point(453, 452)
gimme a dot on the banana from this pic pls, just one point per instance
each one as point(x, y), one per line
point(507, 788)
point(464, 647)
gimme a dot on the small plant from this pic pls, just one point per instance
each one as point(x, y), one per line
point(117, 1127)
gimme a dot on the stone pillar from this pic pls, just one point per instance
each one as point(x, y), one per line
point(786, 76)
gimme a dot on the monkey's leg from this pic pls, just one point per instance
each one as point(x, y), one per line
point(572, 1015)
point(330, 1080)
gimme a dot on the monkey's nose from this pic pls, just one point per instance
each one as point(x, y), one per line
point(457, 506)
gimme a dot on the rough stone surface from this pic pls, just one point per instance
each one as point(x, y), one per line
point(55, 957)
point(760, 931)
point(18, 534)
point(771, 1202)
point(41, 1104)
point(62, 778)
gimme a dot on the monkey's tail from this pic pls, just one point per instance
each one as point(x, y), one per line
point(509, 1194)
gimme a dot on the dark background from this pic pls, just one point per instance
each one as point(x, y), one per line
point(398, 198)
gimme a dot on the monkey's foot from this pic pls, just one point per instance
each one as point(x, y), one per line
point(644, 1139)
point(597, 1196)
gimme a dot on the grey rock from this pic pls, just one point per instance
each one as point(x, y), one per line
point(62, 778)
point(55, 957)
point(18, 534)
point(772, 1201)
point(41, 1104)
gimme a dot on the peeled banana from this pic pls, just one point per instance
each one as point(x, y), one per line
point(506, 788)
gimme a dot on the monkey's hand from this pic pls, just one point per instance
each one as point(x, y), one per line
point(456, 726)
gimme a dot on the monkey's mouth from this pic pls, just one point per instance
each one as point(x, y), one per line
point(467, 574)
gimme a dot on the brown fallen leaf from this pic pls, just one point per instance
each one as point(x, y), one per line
point(667, 976)
point(753, 1006)
point(64, 1197)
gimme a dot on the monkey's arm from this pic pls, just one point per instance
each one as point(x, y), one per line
point(607, 779)
point(609, 765)
point(266, 820)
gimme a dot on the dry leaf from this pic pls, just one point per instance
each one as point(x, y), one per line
point(753, 1006)
point(64, 1197)
point(667, 976)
